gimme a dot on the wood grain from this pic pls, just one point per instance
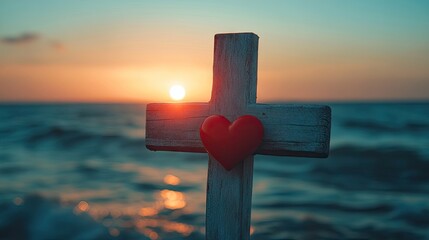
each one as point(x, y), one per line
point(294, 130)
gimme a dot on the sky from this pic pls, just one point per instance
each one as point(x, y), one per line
point(133, 51)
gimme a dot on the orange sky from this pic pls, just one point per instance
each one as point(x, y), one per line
point(135, 51)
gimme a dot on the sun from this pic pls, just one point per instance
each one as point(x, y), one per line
point(177, 92)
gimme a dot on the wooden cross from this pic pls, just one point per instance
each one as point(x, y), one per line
point(289, 130)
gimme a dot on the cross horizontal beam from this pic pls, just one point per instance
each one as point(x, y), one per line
point(289, 130)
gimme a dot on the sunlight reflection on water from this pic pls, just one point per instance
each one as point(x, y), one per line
point(172, 199)
point(147, 219)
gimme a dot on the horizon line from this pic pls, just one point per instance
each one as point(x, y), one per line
point(351, 101)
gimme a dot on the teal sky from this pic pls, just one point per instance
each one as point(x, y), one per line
point(309, 50)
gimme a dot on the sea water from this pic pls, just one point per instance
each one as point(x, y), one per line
point(81, 171)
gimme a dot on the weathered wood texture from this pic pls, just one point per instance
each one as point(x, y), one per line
point(175, 126)
point(291, 130)
point(229, 193)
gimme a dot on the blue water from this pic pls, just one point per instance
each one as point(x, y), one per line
point(71, 171)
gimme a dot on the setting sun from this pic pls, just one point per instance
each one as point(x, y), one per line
point(177, 92)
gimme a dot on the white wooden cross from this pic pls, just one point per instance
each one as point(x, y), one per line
point(289, 130)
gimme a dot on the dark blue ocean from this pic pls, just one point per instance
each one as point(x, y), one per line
point(81, 171)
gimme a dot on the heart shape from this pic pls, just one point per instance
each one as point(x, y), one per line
point(230, 143)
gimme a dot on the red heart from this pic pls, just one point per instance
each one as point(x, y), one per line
point(231, 143)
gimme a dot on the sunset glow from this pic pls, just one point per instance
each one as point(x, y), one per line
point(308, 50)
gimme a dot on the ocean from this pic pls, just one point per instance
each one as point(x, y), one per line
point(81, 171)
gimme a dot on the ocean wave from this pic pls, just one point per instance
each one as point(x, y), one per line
point(356, 167)
point(36, 217)
point(64, 136)
point(333, 206)
point(391, 233)
point(13, 169)
point(311, 227)
point(382, 127)
point(289, 228)
point(416, 217)
point(72, 138)
point(5, 157)
point(390, 168)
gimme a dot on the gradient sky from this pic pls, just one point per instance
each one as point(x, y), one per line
point(134, 50)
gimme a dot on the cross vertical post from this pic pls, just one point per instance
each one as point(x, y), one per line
point(289, 130)
point(229, 193)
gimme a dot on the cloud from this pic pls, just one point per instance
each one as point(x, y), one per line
point(28, 37)
point(20, 39)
